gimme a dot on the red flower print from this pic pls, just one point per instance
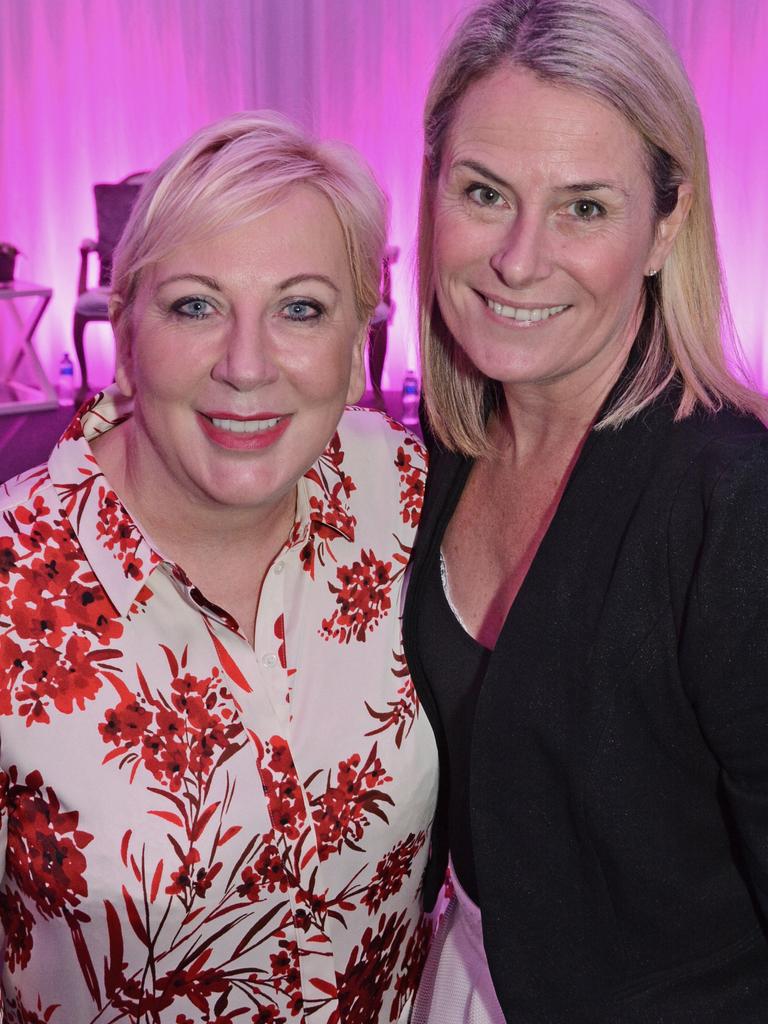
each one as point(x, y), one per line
point(45, 846)
point(285, 965)
point(368, 973)
point(284, 796)
point(166, 758)
point(125, 724)
point(18, 1013)
point(119, 533)
point(195, 983)
point(270, 869)
point(181, 879)
point(341, 813)
point(7, 558)
point(329, 514)
point(295, 1005)
point(401, 713)
point(179, 744)
point(249, 889)
point(409, 976)
point(59, 613)
point(280, 760)
point(190, 879)
point(67, 678)
point(12, 659)
point(17, 923)
point(267, 1015)
point(391, 872)
point(412, 480)
point(363, 598)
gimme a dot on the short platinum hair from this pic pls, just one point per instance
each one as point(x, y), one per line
point(614, 51)
point(231, 171)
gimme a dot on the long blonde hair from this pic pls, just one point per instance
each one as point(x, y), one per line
point(615, 51)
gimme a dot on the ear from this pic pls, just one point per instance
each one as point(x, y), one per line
point(668, 228)
point(119, 317)
point(356, 388)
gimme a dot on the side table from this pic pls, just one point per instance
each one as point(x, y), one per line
point(15, 395)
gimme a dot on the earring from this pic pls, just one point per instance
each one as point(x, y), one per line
point(652, 273)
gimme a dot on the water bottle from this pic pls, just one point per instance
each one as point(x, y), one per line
point(410, 411)
point(66, 380)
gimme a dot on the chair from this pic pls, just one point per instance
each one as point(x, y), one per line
point(380, 321)
point(113, 207)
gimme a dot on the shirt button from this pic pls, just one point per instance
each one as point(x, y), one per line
point(279, 566)
point(269, 660)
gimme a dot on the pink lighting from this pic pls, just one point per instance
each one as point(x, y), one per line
point(94, 89)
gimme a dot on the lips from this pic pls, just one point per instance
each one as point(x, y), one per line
point(243, 433)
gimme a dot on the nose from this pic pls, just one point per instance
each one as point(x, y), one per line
point(246, 361)
point(522, 255)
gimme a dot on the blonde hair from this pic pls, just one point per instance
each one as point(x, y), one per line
point(614, 51)
point(228, 173)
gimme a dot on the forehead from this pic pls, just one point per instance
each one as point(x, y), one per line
point(294, 232)
point(518, 121)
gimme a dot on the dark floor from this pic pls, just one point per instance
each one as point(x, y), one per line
point(26, 440)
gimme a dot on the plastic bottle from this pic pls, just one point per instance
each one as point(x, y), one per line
point(66, 380)
point(410, 409)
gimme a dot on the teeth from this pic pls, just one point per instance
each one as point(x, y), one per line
point(245, 426)
point(524, 315)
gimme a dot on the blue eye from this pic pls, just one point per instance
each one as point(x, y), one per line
point(484, 195)
point(587, 209)
point(301, 310)
point(193, 308)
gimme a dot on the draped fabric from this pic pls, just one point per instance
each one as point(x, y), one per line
point(91, 90)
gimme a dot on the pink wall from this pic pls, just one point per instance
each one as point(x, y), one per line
point(93, 89)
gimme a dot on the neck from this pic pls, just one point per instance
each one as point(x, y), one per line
point(547, 416)
point(193, 532)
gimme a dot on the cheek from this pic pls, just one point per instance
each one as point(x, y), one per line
point(454, 242)
point(160, 371)
point(320, 370)
point(611, 273)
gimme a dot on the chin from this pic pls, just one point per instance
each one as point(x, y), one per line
point(239, 493)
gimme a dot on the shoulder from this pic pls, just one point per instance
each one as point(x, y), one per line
point(668, 455)
point(24, 488)
point(387, 465)
point(370, 426)
point(718, 504)
point(722, 450)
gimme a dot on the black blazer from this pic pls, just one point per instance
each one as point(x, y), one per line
point(619, 765)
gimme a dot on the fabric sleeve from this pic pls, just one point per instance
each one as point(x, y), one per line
point(724, 647)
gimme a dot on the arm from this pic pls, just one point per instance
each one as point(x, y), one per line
point(724, 646)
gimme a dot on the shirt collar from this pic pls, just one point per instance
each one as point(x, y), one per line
point(118, 552)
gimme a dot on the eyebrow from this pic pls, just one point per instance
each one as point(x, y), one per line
point(595, 186)
point(576, 187)
point(209, 282)
point(483, 171)
point(213, 284)
point(300, 278)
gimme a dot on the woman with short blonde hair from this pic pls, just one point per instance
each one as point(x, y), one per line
point(216, 787)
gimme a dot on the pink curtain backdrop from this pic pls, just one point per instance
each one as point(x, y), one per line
point(93, 89)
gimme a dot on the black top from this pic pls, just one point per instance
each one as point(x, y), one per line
point(618, 780)
point(454, 663)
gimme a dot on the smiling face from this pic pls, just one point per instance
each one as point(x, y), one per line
point(543, 232)
point(241, 352)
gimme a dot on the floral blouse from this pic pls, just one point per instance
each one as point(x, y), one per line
point(194, 829)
